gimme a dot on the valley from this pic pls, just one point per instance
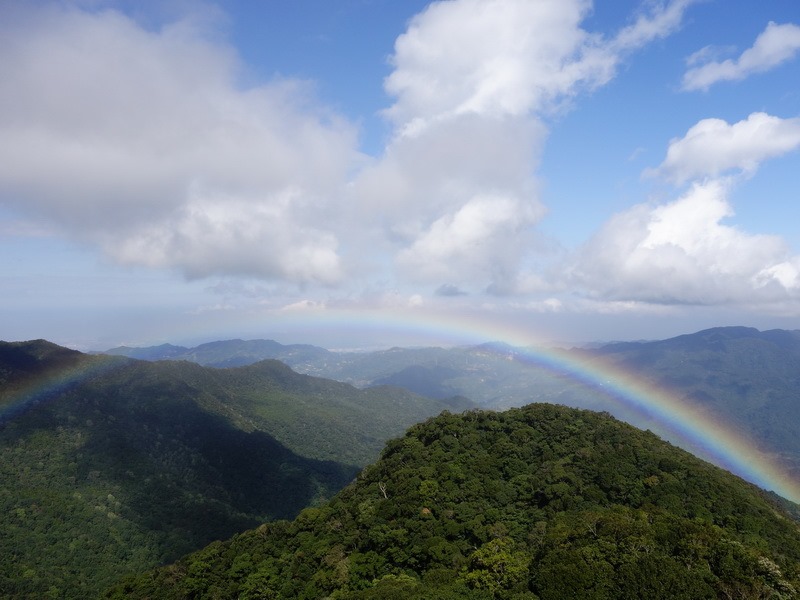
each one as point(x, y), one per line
point(115, 463)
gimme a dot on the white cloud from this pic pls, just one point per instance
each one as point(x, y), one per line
point(304, 306)
point(466, 241)
point(507, 58)
point(683, 253)
point(485, 57)
point(225, 236)
point(145, 142)
point(473, 80)
point(713, 146)
point(456, 203)
point(775, 45)
point(663, 19)
point(785, 274)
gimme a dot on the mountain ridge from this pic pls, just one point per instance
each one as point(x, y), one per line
point(747, 377)
point(541, 502)
point(131, 463)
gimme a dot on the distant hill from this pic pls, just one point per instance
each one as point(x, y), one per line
point(162, 352)
point(427, 381)
point(749, 377)
point(111, 465)
point(487, 374)
point(542, 502)
point(228, 353)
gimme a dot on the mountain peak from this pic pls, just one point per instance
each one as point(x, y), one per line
point(538, 502)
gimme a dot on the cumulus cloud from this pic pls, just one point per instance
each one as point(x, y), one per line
point(713, 146)
point(225, 236)
point(146, 142)
point(683, 253)
point(454, 242)
point(484, 57)
point(473, 83)
point(507, 58)
point(775, 45)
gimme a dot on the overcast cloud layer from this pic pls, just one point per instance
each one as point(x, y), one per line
point(154, 146)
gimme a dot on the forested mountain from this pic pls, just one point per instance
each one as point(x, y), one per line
point(111, 465)
point(748, 377)
point(487, 373)
point(540, 502)
point(229, 353)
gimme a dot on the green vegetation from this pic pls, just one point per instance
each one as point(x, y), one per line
point(111, 466)
point(321, 418)
point(748, 377)
point(228, 353)
point(540, 502)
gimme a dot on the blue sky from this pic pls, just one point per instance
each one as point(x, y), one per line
point(359, 173)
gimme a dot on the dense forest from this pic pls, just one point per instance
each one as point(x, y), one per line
point(110, 465)
point(746, 376)
point(540, 502)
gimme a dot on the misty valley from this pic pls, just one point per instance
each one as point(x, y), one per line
point(253, 469)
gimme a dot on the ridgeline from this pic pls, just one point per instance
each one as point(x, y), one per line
point(539, 502)
point(110, 465)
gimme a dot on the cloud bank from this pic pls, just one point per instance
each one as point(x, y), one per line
point(682, 251)
point(149, 143)
point(474, 83)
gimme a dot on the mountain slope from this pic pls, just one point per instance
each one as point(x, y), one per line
point(747, 376)
point(540, 502)
point(110, 465)
point(229, 353)
point(162, 352)
point(487, 374)
point(121, 469)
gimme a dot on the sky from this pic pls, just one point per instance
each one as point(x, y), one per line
point(367, 173)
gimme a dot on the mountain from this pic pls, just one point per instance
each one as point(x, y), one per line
point(426, 381)
point(162, 352)
point(748, 377)
point(321, 418)
point(487, 374)
point(110, 465)
point(229, 353)
point(542, 502)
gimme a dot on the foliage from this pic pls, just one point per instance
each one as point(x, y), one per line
point(541, 502)
point(747, 376)
point(111, 466)
point(228, 353)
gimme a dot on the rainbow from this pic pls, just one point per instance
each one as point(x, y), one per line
point(50, 385)
point(637, 401)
